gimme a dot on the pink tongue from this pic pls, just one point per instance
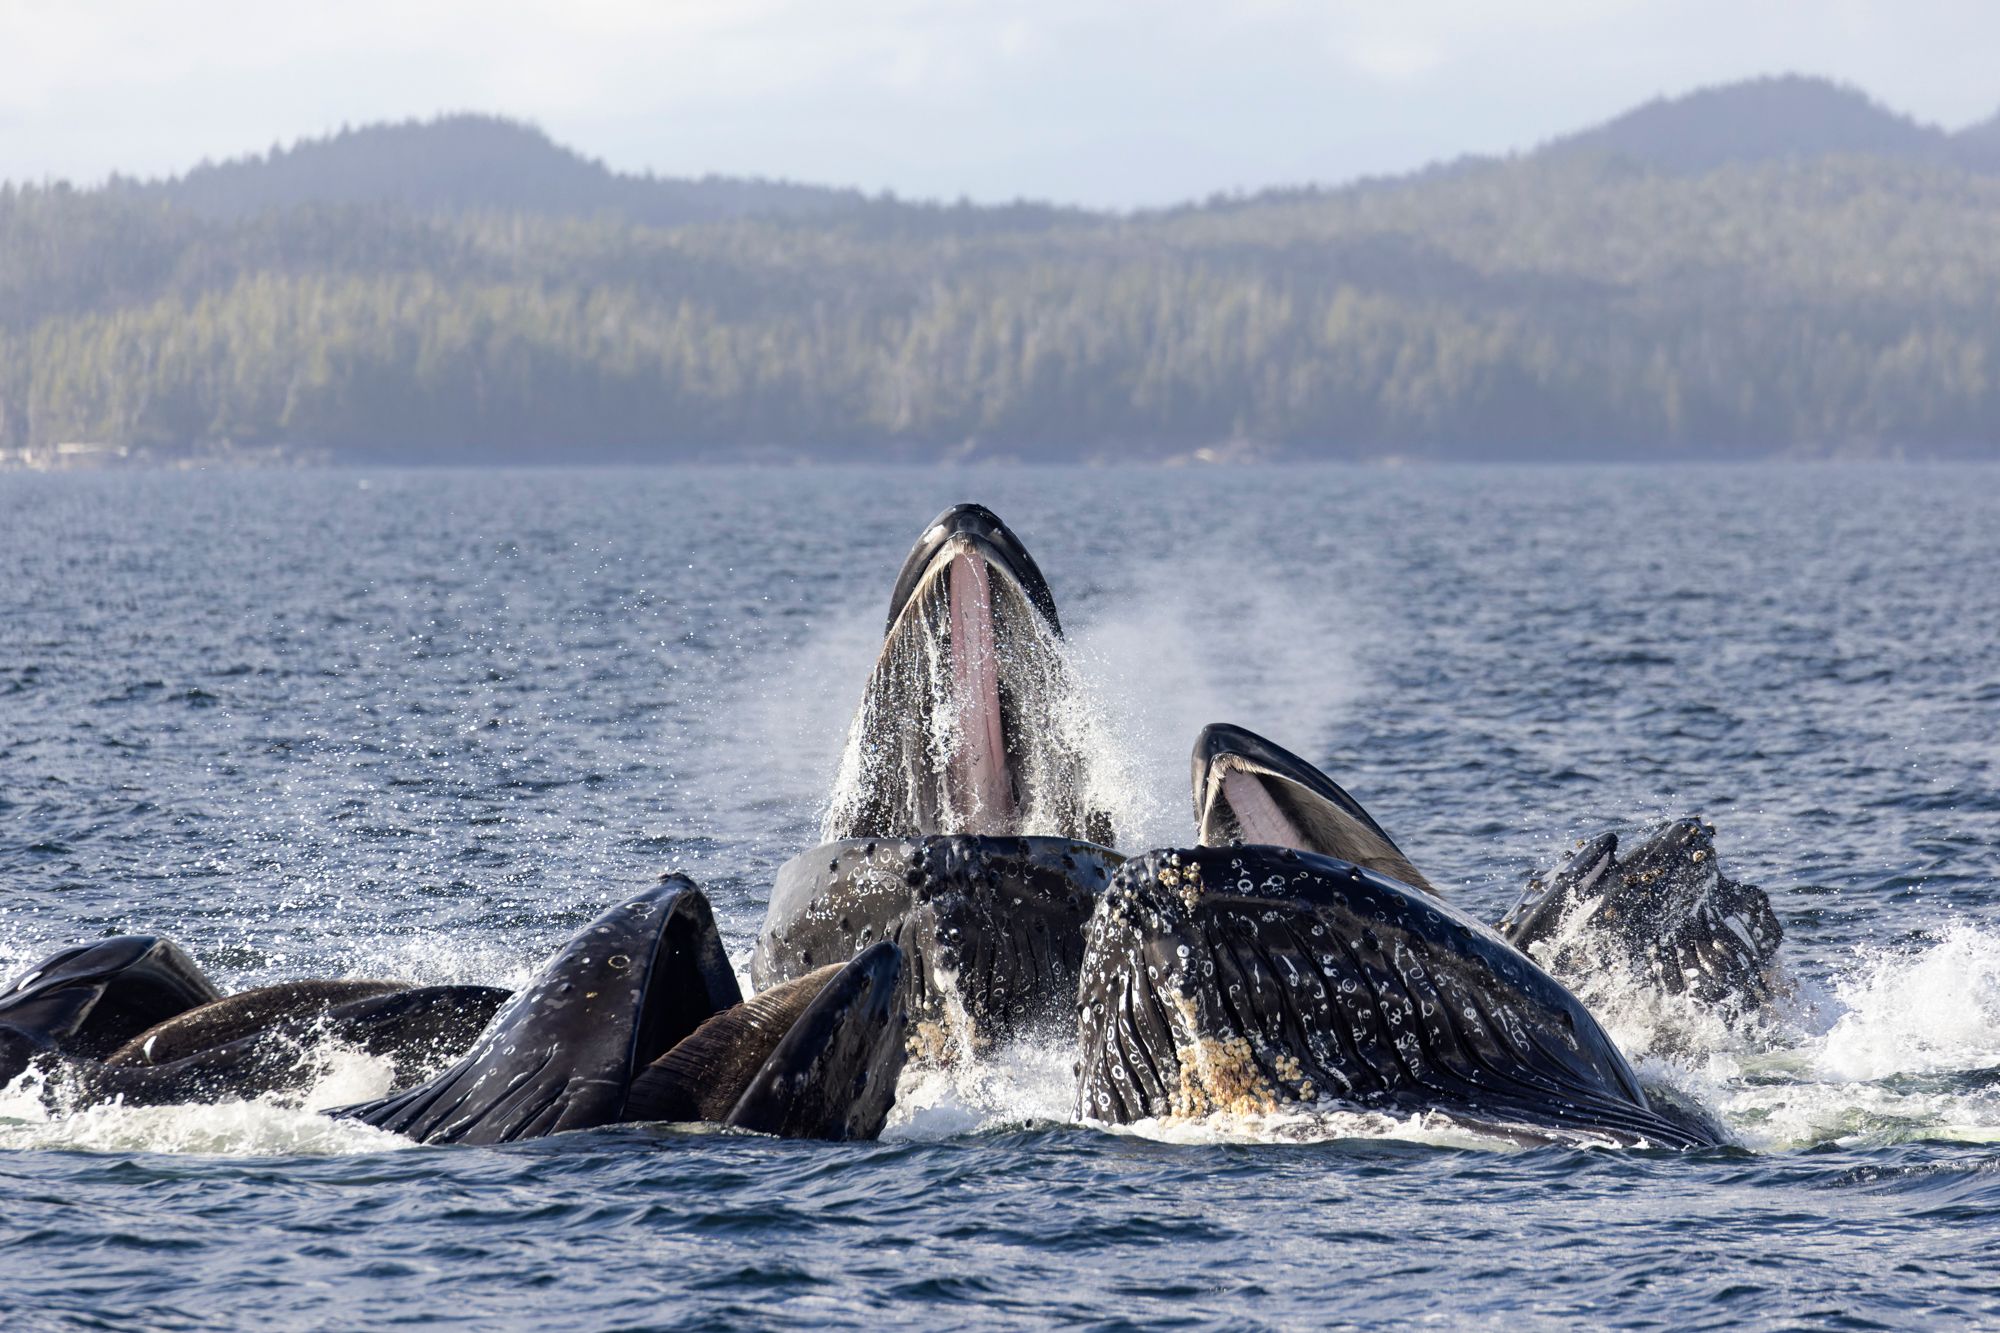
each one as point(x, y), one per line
point(1257, 815)
point(979, 776)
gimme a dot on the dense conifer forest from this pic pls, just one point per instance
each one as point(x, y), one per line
point(1779, 267)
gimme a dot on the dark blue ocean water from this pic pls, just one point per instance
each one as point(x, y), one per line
point(424, 723)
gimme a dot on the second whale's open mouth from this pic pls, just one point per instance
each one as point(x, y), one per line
point(1249, 790)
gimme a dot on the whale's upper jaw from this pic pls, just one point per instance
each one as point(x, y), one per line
point(1221, 741)
point(975, 527)
point(1247, 789)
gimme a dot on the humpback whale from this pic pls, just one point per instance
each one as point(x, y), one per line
point(1247, 789)
point(570, 1049)
point(133, 1018)
point(1665, 914)
point(961, 726)
point(637, 1017)
point(960, 828)
point(1248, 978)
point(965, 895)
point(91, 999)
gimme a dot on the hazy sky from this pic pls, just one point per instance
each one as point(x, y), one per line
point(1079, 100)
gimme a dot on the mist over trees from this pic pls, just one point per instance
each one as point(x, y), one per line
point(1776, 267)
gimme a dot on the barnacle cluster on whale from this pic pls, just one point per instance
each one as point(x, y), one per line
point(968, 894)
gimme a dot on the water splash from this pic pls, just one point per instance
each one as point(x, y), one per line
point(1214, 638)
point(277, 1125)
point(896, 770)
point(1902, 1044)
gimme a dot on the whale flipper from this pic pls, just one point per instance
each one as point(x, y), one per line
point(563, 1051)
point(91, 999)
point(834, 1074)
point(1248, 978)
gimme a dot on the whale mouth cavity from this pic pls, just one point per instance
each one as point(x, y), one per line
point(969, 720)
point(680, 988)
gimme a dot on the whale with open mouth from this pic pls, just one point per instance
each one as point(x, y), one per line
point(1665, 916)
point(967, 896)
point(966, 724)
point(605, 1017)
point(961, 827)
point(1249, 790)
point(637, 1018)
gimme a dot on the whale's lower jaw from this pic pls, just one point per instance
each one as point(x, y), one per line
point(1246, 980)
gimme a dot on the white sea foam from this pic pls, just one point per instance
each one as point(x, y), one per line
point(1880, 1053)
point(1022, 1083)
point(1320, 1124)
point(267, 1126)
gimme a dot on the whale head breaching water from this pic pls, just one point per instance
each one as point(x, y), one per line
point(1665, 917)
point(596, 1038)
point(1248, 979)
point(967, 724)
point(961, 826)
point(1248, 790)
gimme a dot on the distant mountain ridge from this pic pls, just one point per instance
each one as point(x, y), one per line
point(472, 163)
point(1785, 116)
point(468, 162)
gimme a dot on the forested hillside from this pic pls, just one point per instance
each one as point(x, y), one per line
point(1606, 297)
